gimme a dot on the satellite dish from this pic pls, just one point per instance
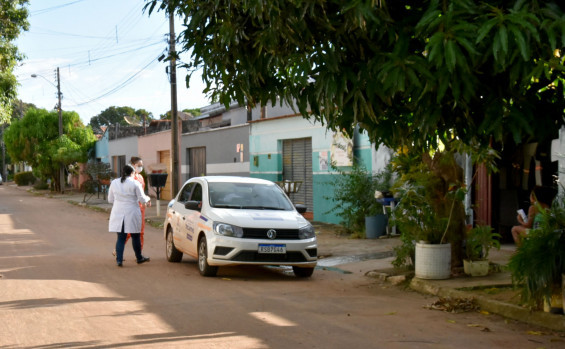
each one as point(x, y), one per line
point(132, 121)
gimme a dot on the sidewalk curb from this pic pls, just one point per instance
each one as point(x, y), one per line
point(511, 311)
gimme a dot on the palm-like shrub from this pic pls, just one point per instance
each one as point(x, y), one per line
point(538, 264)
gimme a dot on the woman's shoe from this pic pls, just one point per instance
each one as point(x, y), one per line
point(143, 260)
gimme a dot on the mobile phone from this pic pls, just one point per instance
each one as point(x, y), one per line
point(523, 215)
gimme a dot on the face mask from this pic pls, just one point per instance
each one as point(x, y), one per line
point(139, 169)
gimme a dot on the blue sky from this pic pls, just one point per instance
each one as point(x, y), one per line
point(107, 53)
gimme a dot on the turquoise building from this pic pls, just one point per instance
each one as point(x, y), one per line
point(102, 148)
point(300, 151)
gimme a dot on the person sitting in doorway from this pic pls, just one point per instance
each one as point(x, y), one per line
point(539, 197)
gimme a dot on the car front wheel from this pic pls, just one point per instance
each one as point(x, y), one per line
point(203, 267)
point(303, 272)
point(173, 255)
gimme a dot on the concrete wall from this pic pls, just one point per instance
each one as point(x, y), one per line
point(223, 157)
point(123, 146)
point(265, 146)
point(238, 115)
point(148, 149)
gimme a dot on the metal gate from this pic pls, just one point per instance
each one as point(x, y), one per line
point(196, 162)
point(297, 166)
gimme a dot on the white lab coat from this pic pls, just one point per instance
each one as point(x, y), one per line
point(125, 198)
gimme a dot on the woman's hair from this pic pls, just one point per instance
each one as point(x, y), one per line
point(544, 195)
point(135, 160)
point(126, 172)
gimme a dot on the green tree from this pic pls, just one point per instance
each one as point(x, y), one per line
point(411, 71)
point(116, 115)
point(19, 108)
point(35, 139)
point(13, 19)
point(193, 112)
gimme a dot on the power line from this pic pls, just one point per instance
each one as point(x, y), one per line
point(119, 87)
point(49, 9)
point(88, 62)
point(57, 33)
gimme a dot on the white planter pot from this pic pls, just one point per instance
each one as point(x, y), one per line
point(555, 305)
point(433, 261)
point(475, 268)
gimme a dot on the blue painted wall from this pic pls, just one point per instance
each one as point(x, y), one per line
point(265, 147)
point(102, 150)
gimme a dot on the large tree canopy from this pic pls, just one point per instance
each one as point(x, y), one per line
point(118, 115)
point(405, 71)
point(13, 19)
point(35, 139)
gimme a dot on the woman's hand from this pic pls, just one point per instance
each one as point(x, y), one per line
point(148, 204)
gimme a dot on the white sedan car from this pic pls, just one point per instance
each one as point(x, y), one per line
point(223, 221)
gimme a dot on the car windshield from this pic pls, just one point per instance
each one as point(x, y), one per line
point(248, 196)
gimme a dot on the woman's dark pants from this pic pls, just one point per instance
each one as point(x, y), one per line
point(121, 242)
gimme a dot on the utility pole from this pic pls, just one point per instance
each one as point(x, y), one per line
point(174, 113)
point(61, 166)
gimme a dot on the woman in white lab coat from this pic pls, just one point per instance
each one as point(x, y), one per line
point(125, 194)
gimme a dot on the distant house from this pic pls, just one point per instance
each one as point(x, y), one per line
point(101, 146)
point(155, 150)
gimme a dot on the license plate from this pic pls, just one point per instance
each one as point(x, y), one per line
point(272, 248)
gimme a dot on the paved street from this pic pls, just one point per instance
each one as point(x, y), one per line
point(60, 288)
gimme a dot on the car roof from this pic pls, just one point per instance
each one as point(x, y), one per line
point(235, 179)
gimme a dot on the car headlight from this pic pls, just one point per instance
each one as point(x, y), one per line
point(228, 230)
point(306, 232)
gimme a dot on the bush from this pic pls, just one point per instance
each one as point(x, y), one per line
point(41, 185)
point(24, 178)
point(354, 195)
point(538, 264)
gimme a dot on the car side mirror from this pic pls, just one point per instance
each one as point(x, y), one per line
point(193, 205)
point(300, 208)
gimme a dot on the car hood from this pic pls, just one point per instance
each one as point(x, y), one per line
point(259, 218)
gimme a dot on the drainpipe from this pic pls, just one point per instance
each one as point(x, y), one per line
point(249, 112)
point(468, 183)
point(263, 112)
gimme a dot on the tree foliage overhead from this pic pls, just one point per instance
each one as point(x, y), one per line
point(405, 71)
point(35, 139)
point(13, 19)
point(117, 115)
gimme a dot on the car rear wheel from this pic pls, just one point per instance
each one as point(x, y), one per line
point(203, 267)
point(173, 255)
point(303, 272)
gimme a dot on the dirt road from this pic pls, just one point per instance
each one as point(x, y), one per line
point(60, 288)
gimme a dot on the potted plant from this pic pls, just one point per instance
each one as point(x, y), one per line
point(355, 202)
point(479, 241)
point(539, 263)
point(423, 233)
point(430, 213)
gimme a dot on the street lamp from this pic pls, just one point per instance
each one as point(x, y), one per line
point(59, 94)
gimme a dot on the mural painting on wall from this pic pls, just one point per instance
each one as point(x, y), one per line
point(342, 150)
point(323, 160)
